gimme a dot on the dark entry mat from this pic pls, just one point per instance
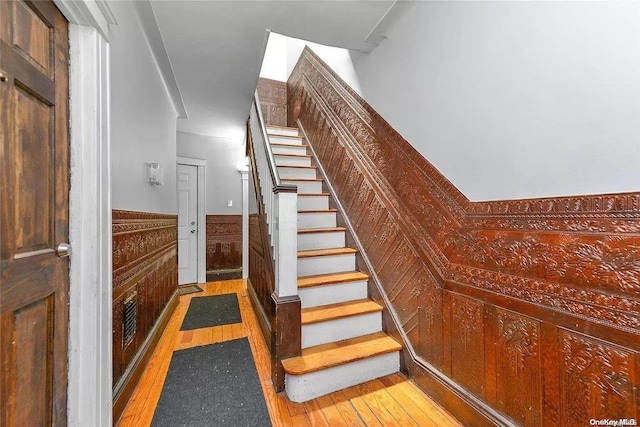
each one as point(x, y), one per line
point(214, 310)
point(212, 385)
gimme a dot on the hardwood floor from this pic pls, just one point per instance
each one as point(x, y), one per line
point(391, 400)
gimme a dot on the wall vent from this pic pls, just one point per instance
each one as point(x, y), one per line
point(130, 323)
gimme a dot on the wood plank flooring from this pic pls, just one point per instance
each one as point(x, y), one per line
point(389, 401)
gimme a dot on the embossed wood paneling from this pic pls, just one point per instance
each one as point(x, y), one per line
point(273, 101)
point(518, 362)
point(500, 302)
point(145, 267)
point(598, 380)
point(224, 242)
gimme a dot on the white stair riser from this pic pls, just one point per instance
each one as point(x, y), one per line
point(280, 131)
point(326, 264)
point(280, 149)
point(341, 329)
point(276, 139)
point(307, 203)
point(309, 187)
point(292, 161)
point(296, 173)
point(301, 388)
point(322, 240)
point(316, 220)
point(316, 296)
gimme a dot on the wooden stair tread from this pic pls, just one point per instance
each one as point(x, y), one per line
point(326, 252)
point(276, 135)
point(339, 353)
point(304, 211)
point(292, 155)
point(284, 144)
point(297, 167)
point(324, 279)
point(339, 310)
point(319, 230)
point(281, 127)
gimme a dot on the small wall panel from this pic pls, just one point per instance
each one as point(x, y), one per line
point(467, 343)
point(224, 242)
point(597, 380)
point(519, 362)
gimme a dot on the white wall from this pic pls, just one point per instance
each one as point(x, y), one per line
point(143, 120)
point(274, 63)
point(224, 158)
point(515, 99)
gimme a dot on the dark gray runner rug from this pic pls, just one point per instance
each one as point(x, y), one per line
point(214, 310)
point(212, 385)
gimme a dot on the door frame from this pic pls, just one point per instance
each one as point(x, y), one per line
point(201, 164)
point(90, 394)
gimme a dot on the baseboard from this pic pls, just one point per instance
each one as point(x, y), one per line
point(123, 390)
point(263, 321)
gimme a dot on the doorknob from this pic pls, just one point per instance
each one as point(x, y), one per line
point(193, 230)
point(63, 250)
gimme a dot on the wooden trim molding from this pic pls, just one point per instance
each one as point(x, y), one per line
point(505, 308)
point(145, 274)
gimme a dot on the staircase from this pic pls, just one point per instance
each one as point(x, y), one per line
point(342, 339)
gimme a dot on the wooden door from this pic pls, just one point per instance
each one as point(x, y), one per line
point(187, 224)
point(34, 213)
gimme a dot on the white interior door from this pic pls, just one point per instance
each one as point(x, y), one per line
point(187, 224)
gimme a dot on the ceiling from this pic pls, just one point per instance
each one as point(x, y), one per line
point(214, 49)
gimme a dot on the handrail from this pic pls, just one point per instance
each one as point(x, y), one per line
point(265, 137)
point(269, 152)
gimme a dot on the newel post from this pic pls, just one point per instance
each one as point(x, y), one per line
point(286, 336)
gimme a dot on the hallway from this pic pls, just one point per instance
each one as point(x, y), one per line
point(391, 400)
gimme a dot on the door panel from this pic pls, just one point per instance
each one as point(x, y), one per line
point(34, 213)
point(32, 152)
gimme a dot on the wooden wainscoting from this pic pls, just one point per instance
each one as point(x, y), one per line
point(512, 312)
point(224, 246)
point(145, 279)
point(273, 101)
